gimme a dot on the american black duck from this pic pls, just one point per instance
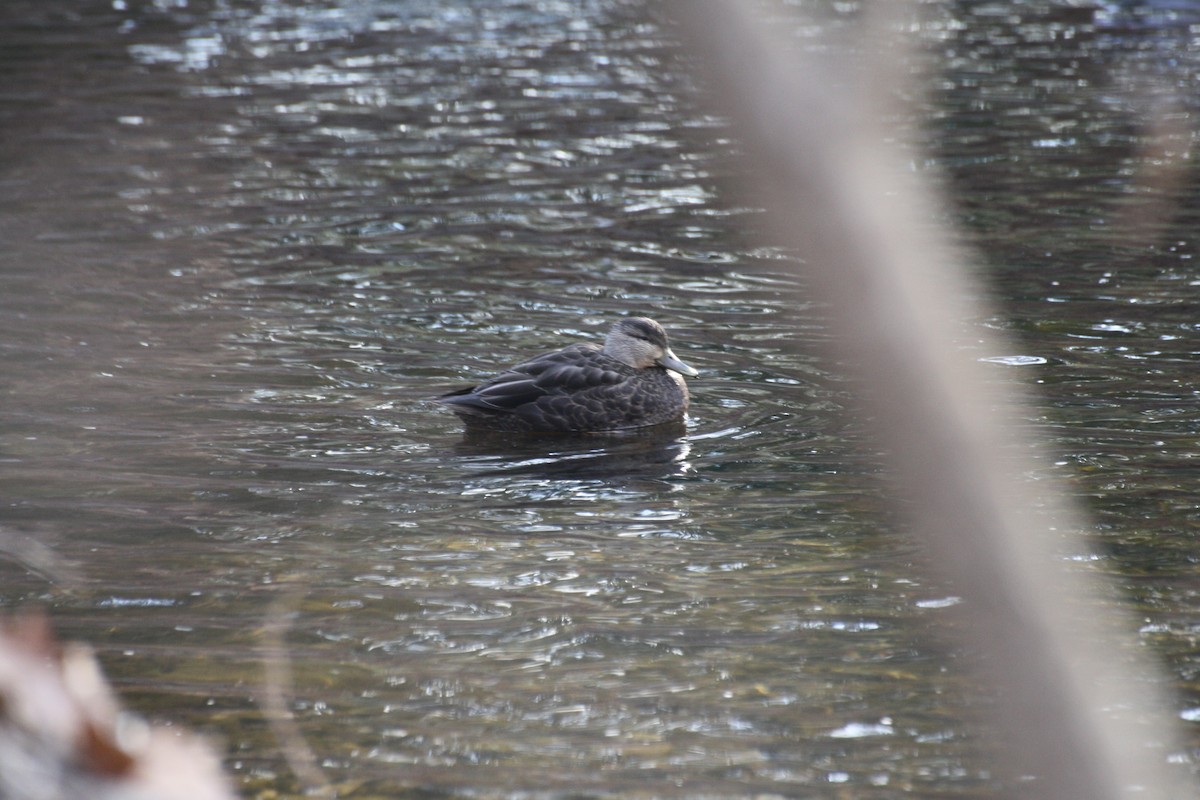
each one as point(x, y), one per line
point(633, 381)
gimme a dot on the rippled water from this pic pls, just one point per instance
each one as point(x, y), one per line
point(245, 243)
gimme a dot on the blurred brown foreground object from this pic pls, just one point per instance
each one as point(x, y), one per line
point(1083, 712)
point(63, 734)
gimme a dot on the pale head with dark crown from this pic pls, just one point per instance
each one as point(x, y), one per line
point(641, 342)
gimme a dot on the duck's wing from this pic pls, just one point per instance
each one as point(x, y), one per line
point(564, 372)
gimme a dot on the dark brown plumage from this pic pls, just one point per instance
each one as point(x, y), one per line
point(632, 382)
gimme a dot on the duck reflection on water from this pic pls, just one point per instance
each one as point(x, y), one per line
point(634, 381)
point(651, 453)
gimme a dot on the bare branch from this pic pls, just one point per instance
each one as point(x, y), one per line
point(1079, 710)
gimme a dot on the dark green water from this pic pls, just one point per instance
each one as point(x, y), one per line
point(245, 242)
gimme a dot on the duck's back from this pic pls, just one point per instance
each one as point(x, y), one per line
point(576, 389)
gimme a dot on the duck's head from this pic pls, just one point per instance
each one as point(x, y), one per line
point(641, 342)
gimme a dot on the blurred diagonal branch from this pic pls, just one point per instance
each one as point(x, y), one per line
point(37, 557)
point(1079, 712)
point(1165, 155)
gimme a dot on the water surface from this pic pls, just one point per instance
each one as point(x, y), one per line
point(245, 245)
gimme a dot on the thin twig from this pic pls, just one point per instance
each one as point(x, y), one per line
point(278, 685)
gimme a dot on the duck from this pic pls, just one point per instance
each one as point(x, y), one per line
point(633, 381)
